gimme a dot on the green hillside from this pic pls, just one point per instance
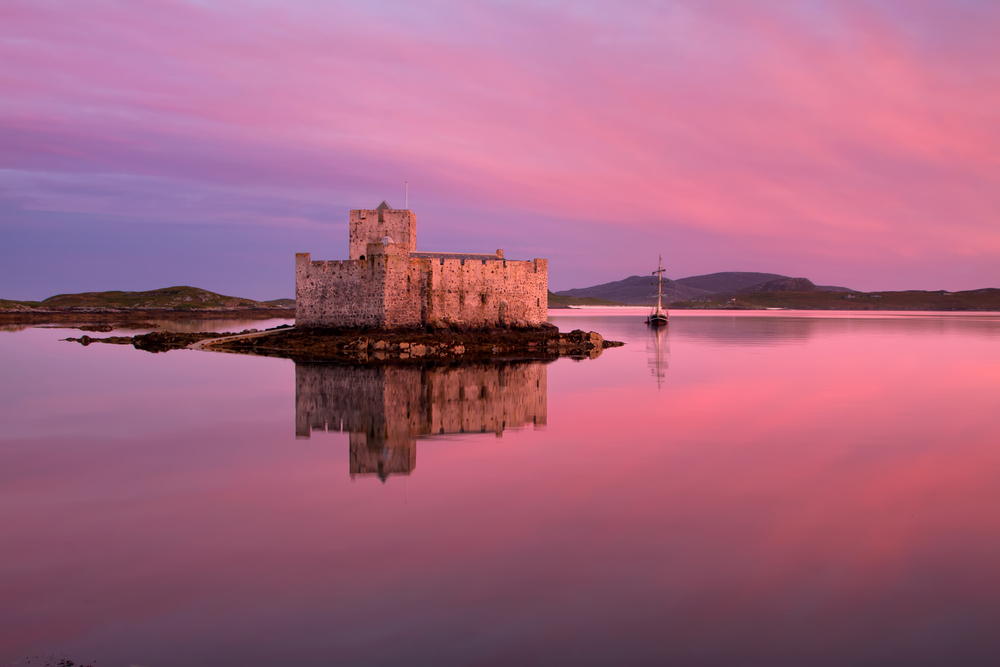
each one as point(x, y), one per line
point(175, 298)
point(7, 304)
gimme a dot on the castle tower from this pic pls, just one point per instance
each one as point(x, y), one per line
point(372, 225)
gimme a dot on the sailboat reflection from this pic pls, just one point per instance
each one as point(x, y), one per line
point(386, 409)
point(658, 351)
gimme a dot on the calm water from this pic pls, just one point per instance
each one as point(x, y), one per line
point(746, 490)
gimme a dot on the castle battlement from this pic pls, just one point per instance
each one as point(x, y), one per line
point(387, 284)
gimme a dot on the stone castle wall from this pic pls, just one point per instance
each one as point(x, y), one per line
point(487, 292)
point(349, 293)
point(403, 300)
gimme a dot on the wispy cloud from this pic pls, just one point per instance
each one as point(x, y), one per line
point(827, 136)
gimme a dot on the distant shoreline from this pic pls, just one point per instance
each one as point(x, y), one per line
point(982, 300)
point(133, 315)
point(971, 300)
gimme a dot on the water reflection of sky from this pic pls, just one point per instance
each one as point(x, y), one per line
point(828, 497)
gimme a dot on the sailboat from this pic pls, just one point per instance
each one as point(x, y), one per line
point(658, 317)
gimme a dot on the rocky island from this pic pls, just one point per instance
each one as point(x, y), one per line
point(378, 347)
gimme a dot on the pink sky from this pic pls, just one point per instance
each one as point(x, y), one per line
point(853, 143)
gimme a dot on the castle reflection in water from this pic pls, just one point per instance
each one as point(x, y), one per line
point(386, 409)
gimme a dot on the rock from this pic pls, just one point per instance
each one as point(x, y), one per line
point(380, 345)
point(459, 349)
point(583, 339)
point(418, 350)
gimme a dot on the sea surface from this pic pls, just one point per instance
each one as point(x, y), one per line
point(742, 488)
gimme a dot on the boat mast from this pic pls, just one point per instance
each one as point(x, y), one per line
point(659, 286)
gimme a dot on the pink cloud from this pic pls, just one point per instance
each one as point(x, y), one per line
point(850, 134)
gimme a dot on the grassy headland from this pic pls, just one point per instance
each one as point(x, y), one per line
point(173, 298)
point(119, 306)
point(981, 299)
point(561, 301)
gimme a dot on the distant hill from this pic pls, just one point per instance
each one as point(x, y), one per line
point(782, 285)
point(641, 290)
point(728, 281)
point(636, 290)
point(175, 298)
point(557, 301)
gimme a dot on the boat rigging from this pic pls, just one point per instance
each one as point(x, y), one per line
point(658, 317)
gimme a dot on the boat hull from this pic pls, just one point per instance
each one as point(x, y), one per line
point(657, 320)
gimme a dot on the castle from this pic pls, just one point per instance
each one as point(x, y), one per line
point(387, 284)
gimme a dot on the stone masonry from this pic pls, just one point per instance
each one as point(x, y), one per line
point(387, 284)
